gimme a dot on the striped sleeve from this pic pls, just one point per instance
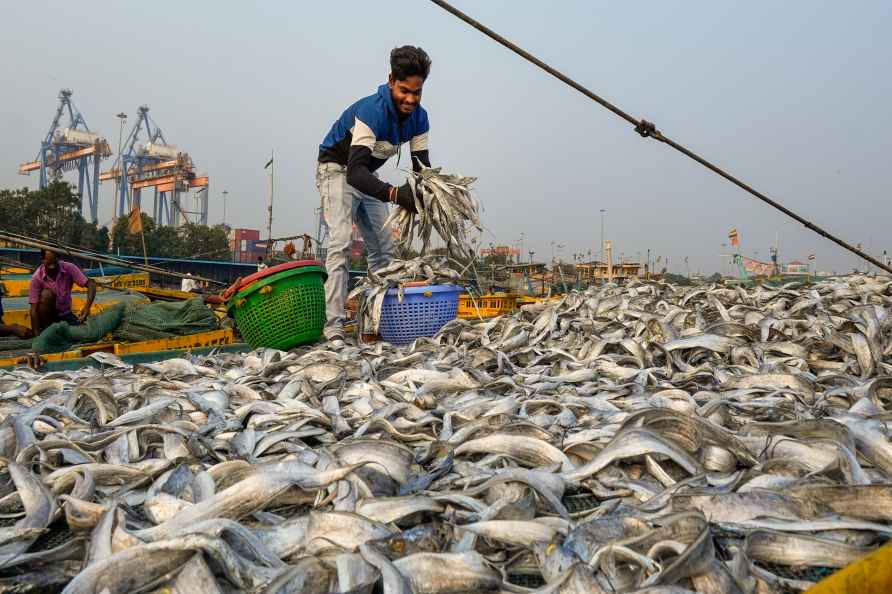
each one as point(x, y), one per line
point(363, 135)
point(419, 142)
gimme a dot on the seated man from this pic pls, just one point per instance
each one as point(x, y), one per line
point(50, 292)
point(11, 329)
point(187, 285)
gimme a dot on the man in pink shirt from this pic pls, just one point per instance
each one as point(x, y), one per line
point(50, 293)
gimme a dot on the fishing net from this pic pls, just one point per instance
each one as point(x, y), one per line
point(813, 574)
point(526, 580)
point(162, 320)
point(581, 503)
point(11, 344)
point(61, 336)
point(130, 322)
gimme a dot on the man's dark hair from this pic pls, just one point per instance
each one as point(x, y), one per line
point(409, 61)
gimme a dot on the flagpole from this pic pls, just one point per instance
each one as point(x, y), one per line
point(135, 222)
point(145, 256)
point(269, 222)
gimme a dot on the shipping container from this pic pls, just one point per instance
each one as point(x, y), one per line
point(248, 256)
point(246, 234)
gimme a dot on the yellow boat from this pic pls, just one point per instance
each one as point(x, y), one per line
point(20, 311)
point(485, 306)
point(17, 284)
point(527, 299)
point(156, 294)
point(114, 288)
point(201, 340)
point(7, 269)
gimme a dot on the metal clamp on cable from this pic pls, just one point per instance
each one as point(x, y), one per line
point(645, 129)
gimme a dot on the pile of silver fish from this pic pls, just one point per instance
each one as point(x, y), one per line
point(646, 438)
point(398, 275)
point(445, 204)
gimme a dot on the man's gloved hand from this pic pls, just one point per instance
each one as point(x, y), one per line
point(405, 197)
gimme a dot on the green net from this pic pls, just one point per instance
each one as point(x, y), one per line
point(60, 336)
point(165, 319)
point(13, 344)
point(130, 322)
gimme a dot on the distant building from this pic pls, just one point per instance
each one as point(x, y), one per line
point(796, 267)
point(504, 251)
point(525, 279)
point(597, 271)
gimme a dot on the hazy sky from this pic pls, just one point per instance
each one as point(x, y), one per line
point(792, 96)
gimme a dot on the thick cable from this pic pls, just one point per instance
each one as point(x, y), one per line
point(648, 130)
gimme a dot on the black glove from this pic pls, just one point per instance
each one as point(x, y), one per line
point(405, 197)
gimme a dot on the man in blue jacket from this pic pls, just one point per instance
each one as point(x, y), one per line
point(366, 135)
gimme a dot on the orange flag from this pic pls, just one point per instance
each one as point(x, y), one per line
point(134, 225)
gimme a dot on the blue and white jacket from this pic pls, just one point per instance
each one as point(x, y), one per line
point(368, 133)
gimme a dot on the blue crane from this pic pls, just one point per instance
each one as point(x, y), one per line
point(159, 166)
point(72, 148)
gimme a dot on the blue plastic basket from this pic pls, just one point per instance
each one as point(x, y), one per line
point(423, 312)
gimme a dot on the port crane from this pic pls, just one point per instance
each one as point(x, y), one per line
point(72, 148)
point(161, 167)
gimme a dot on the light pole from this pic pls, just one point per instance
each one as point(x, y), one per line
point(725, 268)
point(122, 117)
point(492, 267)
point(225, 194)
point(520, 255)
point(601, 249)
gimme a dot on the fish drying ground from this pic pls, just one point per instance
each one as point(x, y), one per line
point(644, 438)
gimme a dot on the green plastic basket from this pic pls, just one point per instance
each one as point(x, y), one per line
point(283, 310)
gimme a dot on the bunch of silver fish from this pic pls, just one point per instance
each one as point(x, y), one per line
point(444, 202)
point(397, 275)
point(646, 438)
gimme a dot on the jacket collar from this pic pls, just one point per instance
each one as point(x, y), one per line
point(384, 93)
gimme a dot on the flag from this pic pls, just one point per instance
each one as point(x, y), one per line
point(268, 163)
point(734, 237)
point(134, 223)
point(811, 256)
